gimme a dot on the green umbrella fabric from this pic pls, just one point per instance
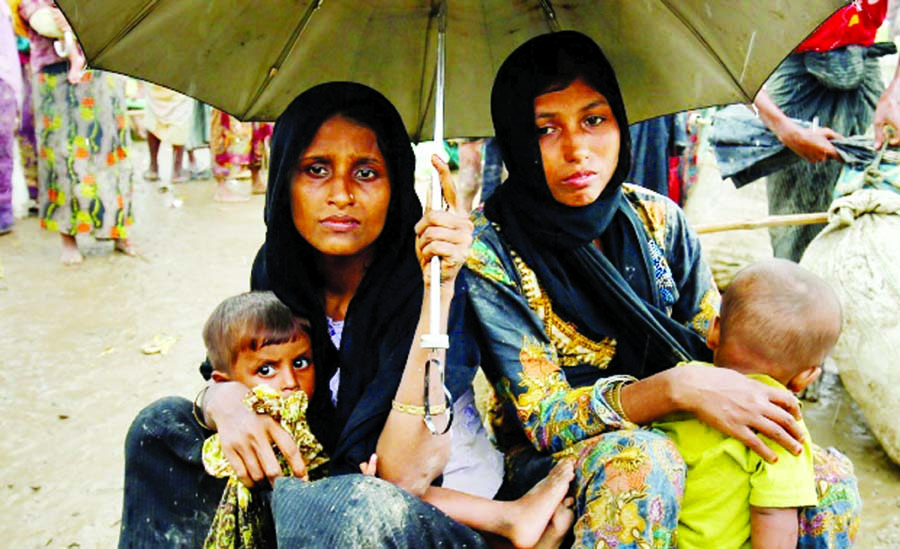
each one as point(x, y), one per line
point(251, 58)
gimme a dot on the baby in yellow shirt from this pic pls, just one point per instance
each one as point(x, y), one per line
point(777, 324)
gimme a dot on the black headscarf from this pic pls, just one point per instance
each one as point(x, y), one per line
point(383, 313)
point(586, 287)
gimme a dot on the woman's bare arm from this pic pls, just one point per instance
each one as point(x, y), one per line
point(723, 399)
point(409, 455)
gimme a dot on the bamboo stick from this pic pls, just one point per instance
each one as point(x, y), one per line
point(765, 222)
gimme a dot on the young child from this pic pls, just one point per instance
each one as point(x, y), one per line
point(254, 339)
point(777, 324)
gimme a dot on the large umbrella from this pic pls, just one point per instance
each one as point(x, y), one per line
point(251, 59)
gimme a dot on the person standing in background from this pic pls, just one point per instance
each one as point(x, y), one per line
point(169, 118)
point(25, 133)
point(10, 107)
point(833, 79)
point(234, 147)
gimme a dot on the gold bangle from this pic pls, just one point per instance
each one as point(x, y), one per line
point(194, 407)
point(614, 399)
point(414, 410)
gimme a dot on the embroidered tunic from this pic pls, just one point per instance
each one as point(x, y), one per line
point(543, 369)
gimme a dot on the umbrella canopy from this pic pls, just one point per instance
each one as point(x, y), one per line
point(251, 59)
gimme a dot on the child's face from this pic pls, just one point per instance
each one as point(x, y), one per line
point(284, 367)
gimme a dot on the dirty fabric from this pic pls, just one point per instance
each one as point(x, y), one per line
point(169, 499)
point(746, 149)
point(337, 512)
point(239, 520)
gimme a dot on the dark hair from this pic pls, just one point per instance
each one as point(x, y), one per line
point(547, 63)
point(249, 321)
point(296, 128)
point(781, 311)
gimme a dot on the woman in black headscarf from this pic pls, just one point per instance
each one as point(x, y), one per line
point(587, 291)
point(344, 250)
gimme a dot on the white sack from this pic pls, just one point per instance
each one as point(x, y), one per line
point(858, 254)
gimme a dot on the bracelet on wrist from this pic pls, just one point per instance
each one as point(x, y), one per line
point(614, 398)
point(197, 408)
point(414, 410)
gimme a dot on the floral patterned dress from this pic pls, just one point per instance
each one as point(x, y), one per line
point(629, 480)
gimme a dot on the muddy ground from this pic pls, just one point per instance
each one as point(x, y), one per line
point(73, 373)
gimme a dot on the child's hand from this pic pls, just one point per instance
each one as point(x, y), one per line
point(370, 468)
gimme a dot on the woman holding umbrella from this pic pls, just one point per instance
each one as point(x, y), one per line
point(587, 293)
point(346, 246)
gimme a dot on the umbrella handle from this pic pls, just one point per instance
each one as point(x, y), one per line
point(435, 339)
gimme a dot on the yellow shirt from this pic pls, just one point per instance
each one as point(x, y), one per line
point(725, 478)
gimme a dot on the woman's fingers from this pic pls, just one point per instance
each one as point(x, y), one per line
point(752, 441)
point(237, 463)
point(244, 462)
point(447, 236)
point(742, 407)
point(291, 454)
point(448, 187)
point(779, 435)
point(246, 439)
point(786, 401)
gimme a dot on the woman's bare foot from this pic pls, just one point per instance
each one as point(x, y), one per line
point(70, 254)
point(225, 194)
point(258, 187)
point(558, 527)
point(529, 516)
point(257, 183)
point(124, 246)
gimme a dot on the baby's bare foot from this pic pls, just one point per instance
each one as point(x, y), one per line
point(558, 527)
point(531, 514)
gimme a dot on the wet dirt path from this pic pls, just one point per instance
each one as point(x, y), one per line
point(72, 374)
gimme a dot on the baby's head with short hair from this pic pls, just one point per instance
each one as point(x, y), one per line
point(777, 318)
point(249, 322)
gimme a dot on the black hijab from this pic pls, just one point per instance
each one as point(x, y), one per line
point(382, 315)
point(586, 287)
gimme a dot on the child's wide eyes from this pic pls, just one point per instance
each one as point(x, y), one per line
point(301, 363)
point(265, 370)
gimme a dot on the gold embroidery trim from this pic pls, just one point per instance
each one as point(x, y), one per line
point(572, 347)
